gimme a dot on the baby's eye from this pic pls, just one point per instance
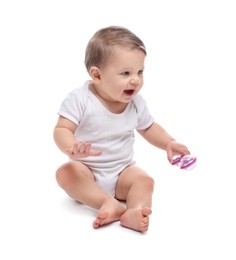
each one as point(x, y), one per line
point(125, 73)
point(140, 72)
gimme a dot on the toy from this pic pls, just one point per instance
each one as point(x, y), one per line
point(186, 162)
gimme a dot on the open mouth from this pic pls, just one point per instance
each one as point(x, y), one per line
point(129, 92)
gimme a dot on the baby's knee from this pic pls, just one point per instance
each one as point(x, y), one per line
point(148, 181)
point(63, 175)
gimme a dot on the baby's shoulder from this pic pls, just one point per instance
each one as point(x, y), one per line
point(138, 100)
point(81, 91)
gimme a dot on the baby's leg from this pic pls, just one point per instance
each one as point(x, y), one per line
point(78, 182)
point(136, 187)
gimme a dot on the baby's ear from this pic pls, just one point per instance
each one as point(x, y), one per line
point(95, 73)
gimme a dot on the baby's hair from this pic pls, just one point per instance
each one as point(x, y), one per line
point(100, 46)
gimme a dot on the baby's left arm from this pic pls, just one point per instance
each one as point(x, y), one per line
point(159, 137)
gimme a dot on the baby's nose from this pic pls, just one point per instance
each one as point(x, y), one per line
point(135, 80)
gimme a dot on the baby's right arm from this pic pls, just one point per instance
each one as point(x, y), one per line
point(66, 142)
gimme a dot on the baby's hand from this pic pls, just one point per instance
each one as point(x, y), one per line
point(81, 150)
point(173, 148)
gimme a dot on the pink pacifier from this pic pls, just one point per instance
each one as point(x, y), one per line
point(187, 162)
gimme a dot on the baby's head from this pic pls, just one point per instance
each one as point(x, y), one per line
point(99, 48)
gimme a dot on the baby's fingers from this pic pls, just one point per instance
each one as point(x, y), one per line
point(82, 148)
point(170, 156)
point(94, 153)
point(87, 148)
point(91, 152)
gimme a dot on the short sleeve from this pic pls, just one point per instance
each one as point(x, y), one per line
point(145, 119)
point(74, 105)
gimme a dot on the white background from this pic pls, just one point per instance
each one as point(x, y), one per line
point(190, 88)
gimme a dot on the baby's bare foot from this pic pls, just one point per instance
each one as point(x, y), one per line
point(136, 219)
point(110, 211)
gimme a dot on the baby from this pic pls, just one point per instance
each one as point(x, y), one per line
point(95, 129)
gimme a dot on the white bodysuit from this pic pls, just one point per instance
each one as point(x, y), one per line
point(113, 134)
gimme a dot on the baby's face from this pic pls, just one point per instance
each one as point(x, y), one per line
point(122, 78)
